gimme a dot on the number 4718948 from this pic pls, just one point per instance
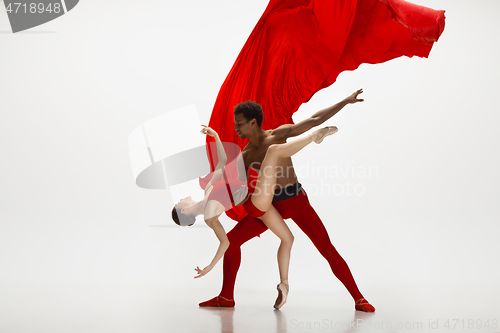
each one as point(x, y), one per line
point(33, 8)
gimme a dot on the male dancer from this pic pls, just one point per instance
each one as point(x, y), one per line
point(290, 199)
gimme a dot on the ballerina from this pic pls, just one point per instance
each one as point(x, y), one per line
point(256, 200)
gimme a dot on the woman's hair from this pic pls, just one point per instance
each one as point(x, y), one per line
point(182, 219)
point(250, 110)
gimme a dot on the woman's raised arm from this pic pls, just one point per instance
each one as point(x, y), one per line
point(221, 153)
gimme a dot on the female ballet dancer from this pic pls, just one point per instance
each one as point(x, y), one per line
point(257, 201)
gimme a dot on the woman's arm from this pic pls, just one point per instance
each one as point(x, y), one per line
point(239, 194)
point(217, 175)
point(224, 244)
point(221, 153)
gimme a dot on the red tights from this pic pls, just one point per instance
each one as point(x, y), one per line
point(300, 211)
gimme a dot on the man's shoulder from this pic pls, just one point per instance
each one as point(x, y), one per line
point(280, 133)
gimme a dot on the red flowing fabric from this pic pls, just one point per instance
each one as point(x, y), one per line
point(299, 47)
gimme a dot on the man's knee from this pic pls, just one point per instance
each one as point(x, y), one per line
point(328, 251)
point(238, 237)
point(232, 249)
point(235, 241)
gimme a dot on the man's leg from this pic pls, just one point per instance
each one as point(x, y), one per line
point(300, 211)
point(248, 228)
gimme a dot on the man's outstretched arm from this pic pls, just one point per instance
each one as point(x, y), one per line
point(286, 131)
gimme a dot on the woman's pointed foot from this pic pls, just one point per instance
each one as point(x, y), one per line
point(363, 305)
point(282, 295)
point(318, 135)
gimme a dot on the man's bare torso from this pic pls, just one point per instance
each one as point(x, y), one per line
point(253, 155)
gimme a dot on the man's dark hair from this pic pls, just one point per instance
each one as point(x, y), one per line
point(187, 219)
point(250, 110)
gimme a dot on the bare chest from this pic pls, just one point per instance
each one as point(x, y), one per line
point(253, 157)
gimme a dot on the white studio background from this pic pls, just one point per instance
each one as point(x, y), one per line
point(420, 155)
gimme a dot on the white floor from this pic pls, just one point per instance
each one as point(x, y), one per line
point(98, 309)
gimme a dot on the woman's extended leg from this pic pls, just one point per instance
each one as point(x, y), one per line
point(264, 189)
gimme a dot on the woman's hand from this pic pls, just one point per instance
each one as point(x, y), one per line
point(203, 271)
point(208, 131)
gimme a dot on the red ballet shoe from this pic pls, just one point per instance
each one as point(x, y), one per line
point(363, 305)
point(218, 301)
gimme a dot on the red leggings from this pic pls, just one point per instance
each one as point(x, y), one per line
point(300, 211)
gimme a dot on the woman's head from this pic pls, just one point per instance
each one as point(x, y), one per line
point(181, 213)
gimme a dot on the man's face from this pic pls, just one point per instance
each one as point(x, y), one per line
point(242, 126)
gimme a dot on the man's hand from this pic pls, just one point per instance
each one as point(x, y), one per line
point(203, 271)
point(240, 194)
point(354, 97)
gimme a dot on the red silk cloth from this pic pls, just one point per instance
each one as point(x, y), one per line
point(300, 46)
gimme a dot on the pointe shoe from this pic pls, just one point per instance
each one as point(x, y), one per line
point(218, 301)
point(282, 295)
point(318, 138)
point(363, 305)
